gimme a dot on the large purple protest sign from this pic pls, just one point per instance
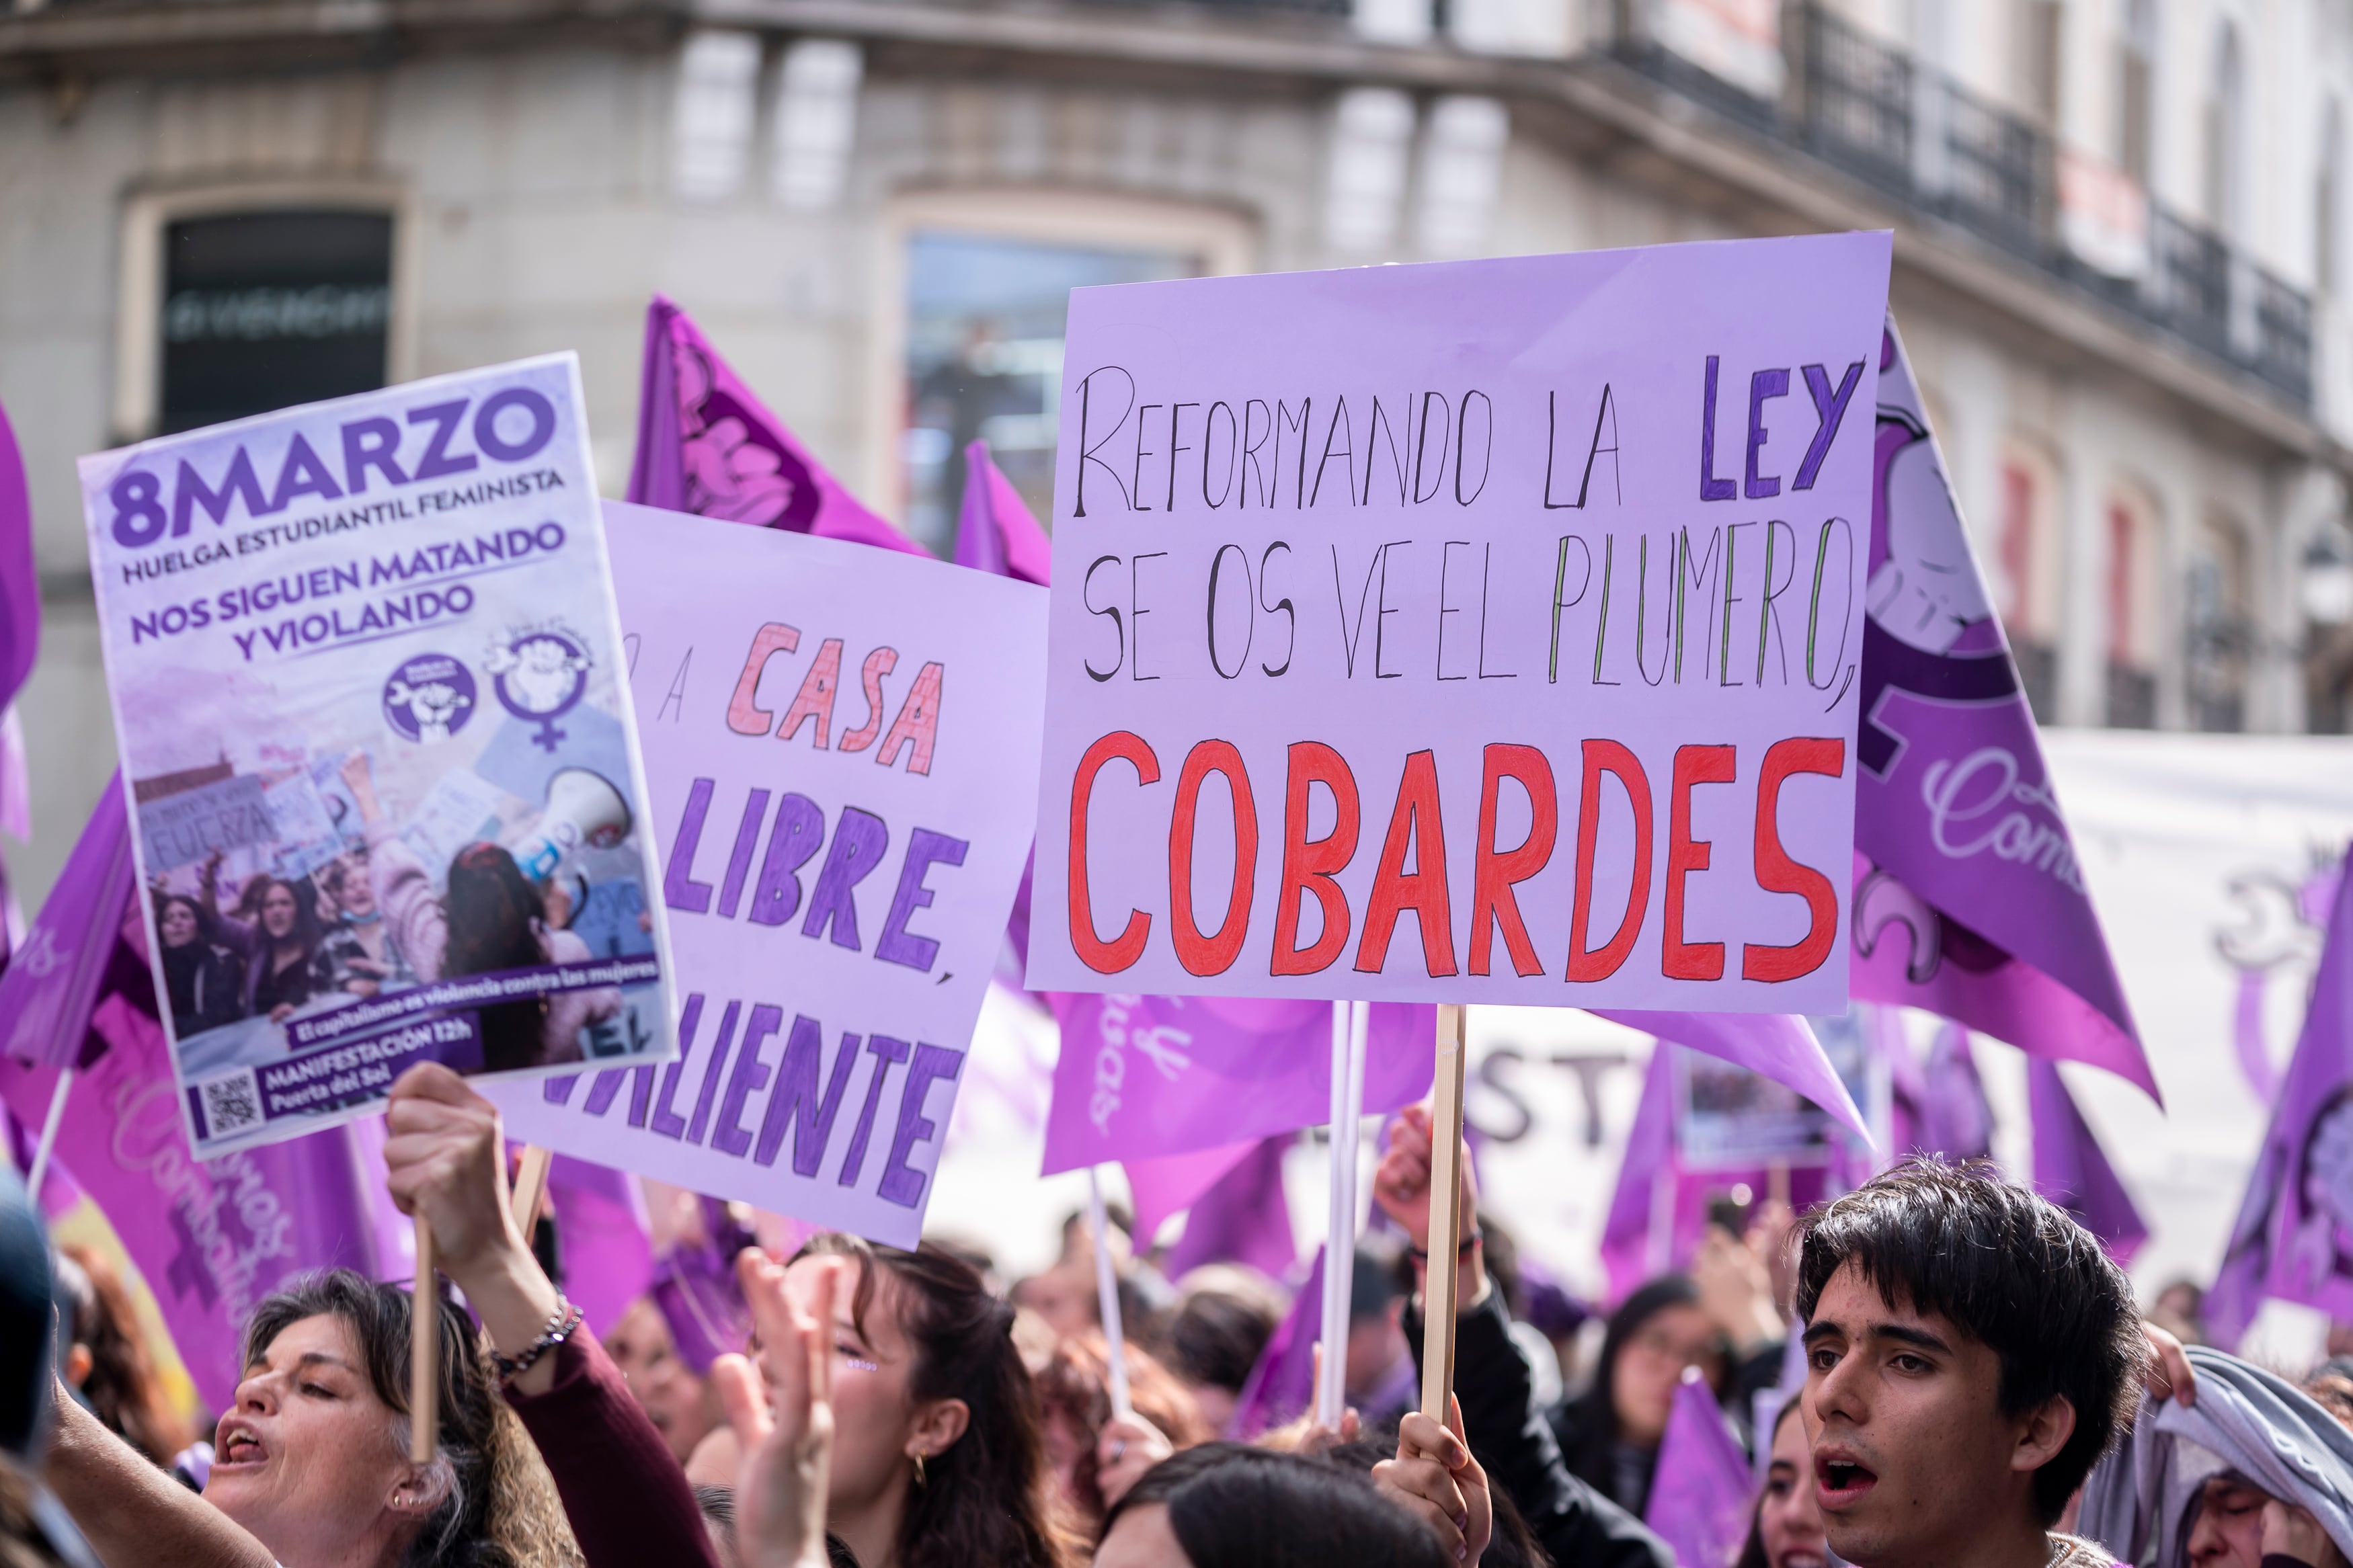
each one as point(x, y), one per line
point(842, 748)
point(211, 1237)
point(1700, 1494)
point(52, 982)
point(1967, 900)
point(707, 444)
point(2293, 1237)
point(20, 588)
point(1471, 632)
point(1144, 1077)
point(398, 601)
point(2072, 1170)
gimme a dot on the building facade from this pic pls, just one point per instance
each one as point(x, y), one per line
point(2121, 245)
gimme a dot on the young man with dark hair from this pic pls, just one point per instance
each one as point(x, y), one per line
point(1970, 1354)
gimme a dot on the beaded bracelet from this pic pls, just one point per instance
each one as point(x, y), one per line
point(560, 1324)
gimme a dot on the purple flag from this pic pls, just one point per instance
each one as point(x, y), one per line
point(1167, 1187)
point(1700, 1494)
point(1955, 1121)
point(1243, 1218)
point(1968, 902)
point(20, 591)
point(600, 1223)
point(1777, 1045)
point(211, 1237)
point(707, 445)
point(2071, 1170)
point(2293, 1237)
point(49, 991)
point(1143, 1077)
point(995, 531)
point(1282, 1386)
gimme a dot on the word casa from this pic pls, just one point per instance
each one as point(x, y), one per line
point(917, 725)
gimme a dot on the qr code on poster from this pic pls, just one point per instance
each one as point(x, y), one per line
point(232, 1103)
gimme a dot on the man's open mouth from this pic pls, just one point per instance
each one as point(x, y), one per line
point(1839, 1481)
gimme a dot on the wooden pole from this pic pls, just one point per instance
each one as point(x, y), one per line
point(1445, 1209)
point(1107, 1296)
point(530, 1186)
point(423, 1354)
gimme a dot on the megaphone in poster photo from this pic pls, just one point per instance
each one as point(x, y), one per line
point(583, 808)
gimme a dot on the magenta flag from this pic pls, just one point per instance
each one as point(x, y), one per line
point(20, 589)
point(1144, 1077)
point(1700, 1494)
point(1243, 1218)
point(706, 445)
point(1167, 1187)
point(2293, 1237)
point(50, 989)
point(995, 531)
point(213, 1237)
point(1282, 1385)
point(1956, 1121)
point(2071, 1169)
point(1969, 901)
point(600, 1226)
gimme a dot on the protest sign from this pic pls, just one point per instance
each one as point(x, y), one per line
point(842, 752)
point(1480, 632)
point(395, 605)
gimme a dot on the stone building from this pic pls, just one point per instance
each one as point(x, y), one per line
point(2120, 244)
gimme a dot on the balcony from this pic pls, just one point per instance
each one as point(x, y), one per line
point(1886, 119)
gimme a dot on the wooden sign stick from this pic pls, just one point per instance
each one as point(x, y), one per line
point(530, 1186)
point(1438, 1275)
point(423, 1354)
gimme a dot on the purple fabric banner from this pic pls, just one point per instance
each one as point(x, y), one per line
point(47, 991)
point(1282, 1386)
point(2293, 1237)
point(1701, 1493)
point(1143, 1077)
point(211, 1237)
point(1169, 1186)
point(1243, 1218)
point(1955, 1121)
point(995, 531)
point(600, 1225)
point(708, 446)
point(20, 591)
point(1777, 1045)
point(1959, 839)
point(2071, 1169)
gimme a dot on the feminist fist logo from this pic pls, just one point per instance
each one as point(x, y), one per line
point(540, 674)
point(428, 699)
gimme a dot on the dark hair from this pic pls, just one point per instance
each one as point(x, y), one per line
point(122, 1388)
point(2010, 1270)
point(986, 1497)
point(203, 916)
point(499, 1508)
point(491, 906)
point(1076, 1384)
point(1231, 1506)
point(305, 929)
point(1513, 1545)
point(1217, 1336)
point(1589, 1424)
point(1752, 1552)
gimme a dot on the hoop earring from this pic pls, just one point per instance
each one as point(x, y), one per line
point(919, 1467)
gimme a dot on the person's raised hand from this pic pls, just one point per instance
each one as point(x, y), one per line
point(2169, 1372)
point(1401, 1186)
point(783, 1417)
point(1735, 1290)
point(1435, 1479)
point(2290, 1532)
point(446, 1160)
point(1129, 1445)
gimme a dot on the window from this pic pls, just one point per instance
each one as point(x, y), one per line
point(2225, 133)
point(2028, 590)
point(2327, 199)
point(984, 359)
point(262, 309)
point(2040, 26)
point(2133, 579)
point(2136, 91)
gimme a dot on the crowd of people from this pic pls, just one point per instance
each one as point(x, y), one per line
point(1972, 1384)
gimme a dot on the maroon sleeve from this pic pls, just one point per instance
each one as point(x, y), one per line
point(627, 1498)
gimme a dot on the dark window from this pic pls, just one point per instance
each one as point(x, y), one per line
point(264, 310)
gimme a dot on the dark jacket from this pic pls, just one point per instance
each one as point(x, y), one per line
point(1578, 1526)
